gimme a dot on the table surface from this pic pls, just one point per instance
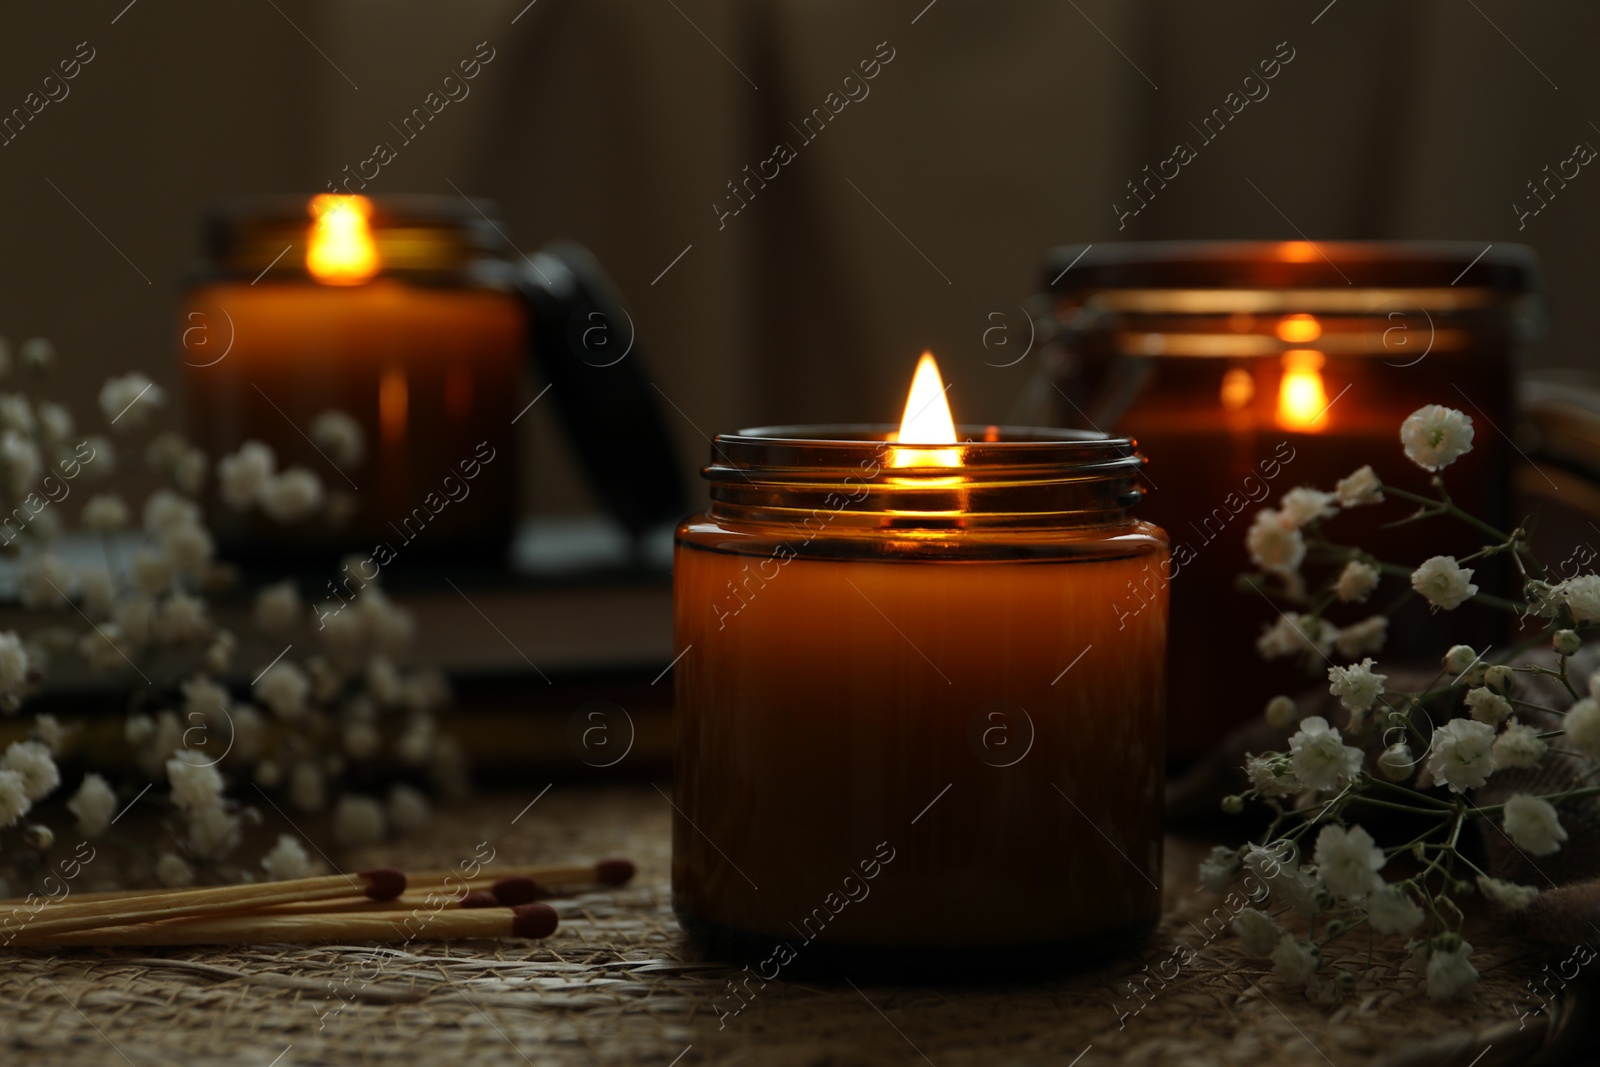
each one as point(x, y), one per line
point(618, 983)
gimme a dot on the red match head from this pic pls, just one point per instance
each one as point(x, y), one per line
point(533, 920)
point(614, 872)
point(384, 883)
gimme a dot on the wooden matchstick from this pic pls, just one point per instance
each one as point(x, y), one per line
point(379, 884)
point(613, 872)
point(534, 920)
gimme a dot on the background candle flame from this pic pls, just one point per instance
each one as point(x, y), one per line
point(341, 250)
point(926, 421)
point(1302, 399)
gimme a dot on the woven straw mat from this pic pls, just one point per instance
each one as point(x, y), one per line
point(619, 984)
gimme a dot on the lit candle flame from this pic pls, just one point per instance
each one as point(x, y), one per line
point(1302, 400)
point(926, 421)
point(341, 250)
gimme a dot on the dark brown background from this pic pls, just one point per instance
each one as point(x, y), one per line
point(998, 130)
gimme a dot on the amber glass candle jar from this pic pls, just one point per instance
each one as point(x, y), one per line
point(1248, 368)
point(401, 312)
point(910, 731)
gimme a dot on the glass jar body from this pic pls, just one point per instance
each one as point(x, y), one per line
point(901, 749)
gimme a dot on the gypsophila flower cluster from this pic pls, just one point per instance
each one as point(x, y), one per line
point(1419, 752)
point(201, 739)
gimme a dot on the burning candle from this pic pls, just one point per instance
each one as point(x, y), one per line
point(395, 312)
point(910, 730)
point(1246, 369)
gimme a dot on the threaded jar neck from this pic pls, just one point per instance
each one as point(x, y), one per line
point(995, 478)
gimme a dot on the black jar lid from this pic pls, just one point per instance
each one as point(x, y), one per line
point(1506, 269)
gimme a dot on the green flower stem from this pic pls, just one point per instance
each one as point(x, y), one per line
point(1571, 794)
point(1531, 704)
point(1435, 812)
point(1443, 505)
point(1411, 794)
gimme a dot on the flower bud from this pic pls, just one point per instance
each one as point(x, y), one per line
point(1418, 852)
point(1282, 713)
point(38, 835)
point(1232, 805)
point(1337, 927)
point(1566, 642)
point(1499, 678)
point(1396, 762)
point(1459, 658)
point(1345, 981)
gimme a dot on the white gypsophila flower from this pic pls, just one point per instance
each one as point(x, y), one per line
point(36, 354)
point(1282, 712)
point(241, 476)
point(16, 414)
point(1356, 582)
point(340, 436)
point(1295, 960)
point(188, 549)
point(1278, 869)
point(1533, 824)
point(19, 460)
point(172, 871)
point(306, 787)
point(278, 607)
point(151, 573)
point(127, 401)
point(1359, 488)
point(1257, 931)
point(47, 729)
point(1321, 759)
point(249, 732)
point(164, 450)
point(46, 582)
point(204, 700)
point(283, 687)
point(1349, 861)
point(196, 784)
point(13, 663)
point(358, 821)
point(409, 809)
point(1294, 635)
point(1508, 895)
point(1356, 686)
point(55, 422)
point(1305, 504)
point(181, 619)
point(105, 648)
point(1271, 776)
point(384, 682)
point(391, 626)
point(1451, 975)
point(219, 654)
point(1487, 705)
point(1392, 911)
point(416, 741)
point(292, 495)
point(14, 802)
point(1443, 582)
point(97, 590)
point(1461, 754)
point(1219, 868)
point(188, 471)
point(1582, 596)
point(1362, 638)
point(102, 461)
point(1518, 746)
point(1459, 660)
point(93, 805)
point(32, 760)
point(287, 859)
point(1436, 436)
point(1275, 542)
point(1582, 726)
point(166, 510)
point(212, 831)
point(1396, 762)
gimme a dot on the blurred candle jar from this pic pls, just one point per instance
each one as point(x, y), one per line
point(910, 732)
point(1246, 369)
point(401, 314)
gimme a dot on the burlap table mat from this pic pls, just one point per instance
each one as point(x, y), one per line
point(619, 984)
